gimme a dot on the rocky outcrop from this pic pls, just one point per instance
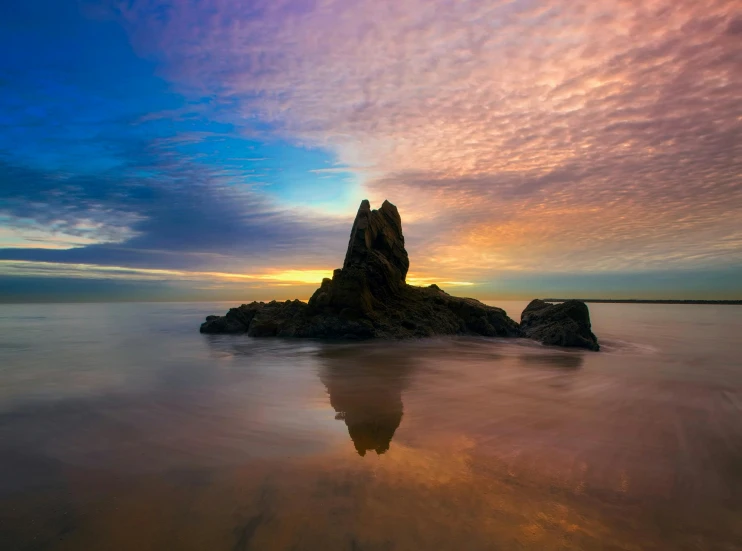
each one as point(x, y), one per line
point(375, 266)
point(563, 324)
point(287, 319)
point(414, 312)
point(369, 298)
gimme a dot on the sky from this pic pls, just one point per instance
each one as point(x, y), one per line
point(219, 149)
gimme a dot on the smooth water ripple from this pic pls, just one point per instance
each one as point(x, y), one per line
point(122, 428)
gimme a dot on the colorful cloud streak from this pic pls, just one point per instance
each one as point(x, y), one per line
point(516, 137)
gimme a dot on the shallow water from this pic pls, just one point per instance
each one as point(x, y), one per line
point(122, 428)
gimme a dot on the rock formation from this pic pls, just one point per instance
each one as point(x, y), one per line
point(369, 298)
point(564, 324)
point(375, 266)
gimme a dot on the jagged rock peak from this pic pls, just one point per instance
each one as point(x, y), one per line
point(357, 245)
point(380, 232)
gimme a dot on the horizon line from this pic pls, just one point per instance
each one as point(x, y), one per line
point(731, 302)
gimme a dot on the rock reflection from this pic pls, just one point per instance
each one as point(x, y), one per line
point(365, 387)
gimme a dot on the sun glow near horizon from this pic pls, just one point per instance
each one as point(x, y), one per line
point(290, 277)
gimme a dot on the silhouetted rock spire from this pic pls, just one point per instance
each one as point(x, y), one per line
point(375, 265)
point(369, 297)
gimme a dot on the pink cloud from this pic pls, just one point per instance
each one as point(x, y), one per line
point(600, 135)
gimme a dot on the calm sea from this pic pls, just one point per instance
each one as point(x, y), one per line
point(123, 428)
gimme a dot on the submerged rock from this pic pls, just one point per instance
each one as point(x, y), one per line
point(563, 324)
point(369, 298)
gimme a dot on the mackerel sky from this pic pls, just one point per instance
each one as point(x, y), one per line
point(218, 149)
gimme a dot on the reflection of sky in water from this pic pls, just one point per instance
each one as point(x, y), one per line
point(122, 428)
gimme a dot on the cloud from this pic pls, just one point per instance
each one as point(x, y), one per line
point(162, 211)
point(102, 164)
point(512, 135)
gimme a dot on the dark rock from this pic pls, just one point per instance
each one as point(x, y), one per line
point(375, 265)
point(369, 298)
point(237, 320)
point(563, 324)
point(277, 319)
point(370, 289)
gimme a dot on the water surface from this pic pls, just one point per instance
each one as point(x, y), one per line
point(123, 428)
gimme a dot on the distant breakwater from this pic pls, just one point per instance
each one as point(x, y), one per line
point(641, 301)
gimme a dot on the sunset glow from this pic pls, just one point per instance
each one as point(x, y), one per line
point(233, 141)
